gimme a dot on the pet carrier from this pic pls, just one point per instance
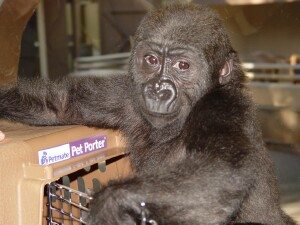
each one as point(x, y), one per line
point(48, 173)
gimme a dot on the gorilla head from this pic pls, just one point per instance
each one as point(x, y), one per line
point(177, 57)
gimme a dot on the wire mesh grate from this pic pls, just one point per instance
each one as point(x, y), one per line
point(66, 206)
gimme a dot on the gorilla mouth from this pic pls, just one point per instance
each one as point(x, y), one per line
point(159, 105)
point(159, 118)
point(160, 111)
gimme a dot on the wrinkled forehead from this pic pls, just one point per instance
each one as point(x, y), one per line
point(169, 47)
point(182, 27)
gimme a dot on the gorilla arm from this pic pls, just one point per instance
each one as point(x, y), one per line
point(209, 192)
point(88, 101)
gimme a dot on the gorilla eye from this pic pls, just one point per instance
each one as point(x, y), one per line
point(151, 59)
point(181, 65)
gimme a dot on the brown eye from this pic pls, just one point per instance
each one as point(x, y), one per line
point(151, 59)
point(181, 65)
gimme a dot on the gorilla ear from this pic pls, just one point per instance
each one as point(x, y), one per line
point(225, 72)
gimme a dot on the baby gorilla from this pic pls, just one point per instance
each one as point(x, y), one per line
point(197, 154)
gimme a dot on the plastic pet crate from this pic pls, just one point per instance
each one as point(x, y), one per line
point(48, 173)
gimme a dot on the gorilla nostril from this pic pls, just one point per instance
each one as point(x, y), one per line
point(168, 91)
point(165, 95)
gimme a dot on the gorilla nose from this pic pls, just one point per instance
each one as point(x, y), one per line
point(159, 96)
point(160, 90)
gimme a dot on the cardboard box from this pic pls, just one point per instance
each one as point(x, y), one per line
point(32, 157)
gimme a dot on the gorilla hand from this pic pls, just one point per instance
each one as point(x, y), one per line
point(117, 204)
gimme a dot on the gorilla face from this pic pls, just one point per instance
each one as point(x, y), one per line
point(170, 79)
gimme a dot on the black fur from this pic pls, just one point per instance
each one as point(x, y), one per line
point(197, 153)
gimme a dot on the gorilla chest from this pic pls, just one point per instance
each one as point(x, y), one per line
point(153, 158)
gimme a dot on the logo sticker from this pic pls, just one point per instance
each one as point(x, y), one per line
point(71, 150)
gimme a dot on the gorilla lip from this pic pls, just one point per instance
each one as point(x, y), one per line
point(170, 115)
point(160, 114)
